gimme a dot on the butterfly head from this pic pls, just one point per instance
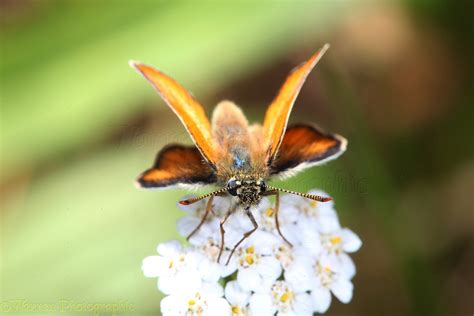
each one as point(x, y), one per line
point(248, 190)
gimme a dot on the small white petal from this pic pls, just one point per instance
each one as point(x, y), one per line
point(302, 254)
point(227, 269)
point(262, 305)
point(249, 279)
point(264, 205)
point(152, 266)
point(186, 225)
point(342, 289)
point(321, 298)
point(309, 236)
point(239, 221)
point(218, 307)
point(300, 275)
point(290, 232)
point(303, 305)
point(351, 242)
point(169, 248)
point(183, 282)
point(330, 261)
point(208, 231)
point(232, 236)
point(213, 289)
point(289, 212)
point(167, 285)
point(264, 242)
point(269, 268)
point(221, 205)
point(169, 305)
point(328, 224)
point(348, 268)
point(210, 271)
point(235, 295)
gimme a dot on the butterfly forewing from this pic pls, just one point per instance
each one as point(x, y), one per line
point(188, 110)
point(276, 117)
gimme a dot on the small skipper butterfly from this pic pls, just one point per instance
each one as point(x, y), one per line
point(237, 157)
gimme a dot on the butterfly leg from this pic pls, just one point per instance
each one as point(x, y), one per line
point(204, 217)
point(229, 212)
point(246, 235)
point(277, 209)
point(222, 194)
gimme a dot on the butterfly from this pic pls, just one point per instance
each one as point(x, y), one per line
point(238, 157)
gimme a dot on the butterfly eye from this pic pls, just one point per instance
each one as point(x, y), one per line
point(262, 185)
point(232, 186)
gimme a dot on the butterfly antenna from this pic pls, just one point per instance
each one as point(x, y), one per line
point(305, 195)
point(199, 198)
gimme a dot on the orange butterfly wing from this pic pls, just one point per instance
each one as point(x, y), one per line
point(276, 117)
point(188, 110)
point(177, 164)
point(304, 146)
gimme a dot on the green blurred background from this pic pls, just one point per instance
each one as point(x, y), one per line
point(78, 125)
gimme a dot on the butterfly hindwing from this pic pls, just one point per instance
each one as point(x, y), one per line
point(276, 117)
point(177, 165)
point(304, 146)
point(188, 110)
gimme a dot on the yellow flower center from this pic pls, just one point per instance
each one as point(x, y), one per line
point(195, 305)
point(313, 204)
point(249, 259)
point(248, 256)
point(269, 212)
point(236, 310)
point(335, 240)
point(286, 297)
point(283, 297)
point(325, 273)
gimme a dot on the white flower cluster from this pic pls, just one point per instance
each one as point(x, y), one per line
point(265, 275)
